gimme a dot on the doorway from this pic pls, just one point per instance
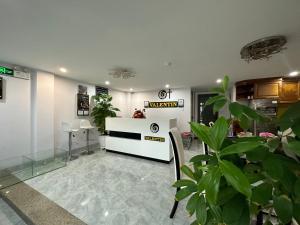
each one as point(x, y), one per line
point(205, 113)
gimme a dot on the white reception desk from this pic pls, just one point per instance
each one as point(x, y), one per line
point(141, 137)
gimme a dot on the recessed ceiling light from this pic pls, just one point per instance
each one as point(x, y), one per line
point(167, 85)
point(63, 70)
point(131, 89)
point(219, 81)
point(294, 73)
point(107, 82)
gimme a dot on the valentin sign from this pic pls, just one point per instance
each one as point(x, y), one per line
point(167, 104)
point(151, 138)
point(6, 71)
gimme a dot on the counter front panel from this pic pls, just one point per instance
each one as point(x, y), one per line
point(141, 137)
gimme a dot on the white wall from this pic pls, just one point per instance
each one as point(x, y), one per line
point(15, 126)
point(65, 110)
point(183, 115)
point(122, 101)
point(42, 90)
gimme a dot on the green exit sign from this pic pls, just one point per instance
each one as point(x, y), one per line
point(6, 71)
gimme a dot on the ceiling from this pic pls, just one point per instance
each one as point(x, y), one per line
point(202, 39)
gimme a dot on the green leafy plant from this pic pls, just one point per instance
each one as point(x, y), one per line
point(243, 176)
point(102, 109)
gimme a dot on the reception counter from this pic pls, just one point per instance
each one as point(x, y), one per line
point(147, 138)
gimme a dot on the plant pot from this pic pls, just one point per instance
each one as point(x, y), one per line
point(102, 141)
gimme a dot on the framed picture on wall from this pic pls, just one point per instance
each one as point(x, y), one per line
point(83, 105)
point(101, 90)
point(146, 104)
point(181, 103)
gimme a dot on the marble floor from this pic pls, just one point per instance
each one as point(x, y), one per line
point(8, 215)
point(113, 189)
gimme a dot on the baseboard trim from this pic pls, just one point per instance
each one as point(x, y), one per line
point(139, 156)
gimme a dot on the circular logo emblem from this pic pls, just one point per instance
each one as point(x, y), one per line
point(154, 127)
point(162, 94)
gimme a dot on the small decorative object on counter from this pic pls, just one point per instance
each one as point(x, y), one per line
point(266, 135)
point(139, 114)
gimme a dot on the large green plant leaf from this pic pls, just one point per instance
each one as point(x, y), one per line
point(296, 213)
point(203, 133)
point(284, 208)
point(297, 188)
point(253, 172)
point(201, 213)
point(273, 143)
point(296, 127)
point(219, 104)
point(225, 194)
point(225, 83)
point(192, 203)
point(184, 183)
point(288, 179)
point(213, 99)
point(288, 119)
point(201, 158)
point(219, 131)
point(245, 121)
point(236, 109)
point(240, 147)
point(212, 184)
point(273, 167)
point(236, 211)
point(262, 194)
point(187, 171)
point(184, 192)
point(216, 211)
point(294, 145)
point(235, 177)
point(258, 154)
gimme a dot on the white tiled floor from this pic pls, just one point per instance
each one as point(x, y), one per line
point(108, 189)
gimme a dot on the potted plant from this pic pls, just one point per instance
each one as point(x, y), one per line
point(244, 178)
point(102, 109)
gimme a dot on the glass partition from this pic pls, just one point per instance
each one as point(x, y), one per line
point(16, 169)
point(46, 161)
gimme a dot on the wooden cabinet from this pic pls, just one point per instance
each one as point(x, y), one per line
point(289, 91)
point(244, 90)
point(285, 90)
point(268, 89)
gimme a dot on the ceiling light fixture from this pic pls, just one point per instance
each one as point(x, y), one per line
point(131, 89)
point(219, 80)
point(294, 73)
point(63, 70)
point(167, 85)
point(122, 72)
point(107, 82)
point(263, 48)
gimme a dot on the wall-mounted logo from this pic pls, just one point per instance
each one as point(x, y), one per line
point(168, 104)
point(154, 127)
point(151, 138)
point(162, 94)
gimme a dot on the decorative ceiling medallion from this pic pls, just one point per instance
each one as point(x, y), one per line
point(122, 72)
point(263, 48)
